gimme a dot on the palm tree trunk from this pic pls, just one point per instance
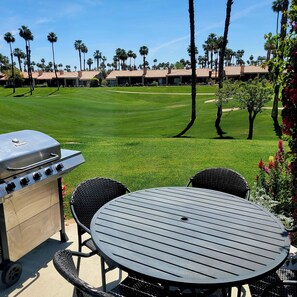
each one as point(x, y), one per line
point(220, 132)
point(12, 68)
point(274, 112)
point(55, 68)
point(193, 66)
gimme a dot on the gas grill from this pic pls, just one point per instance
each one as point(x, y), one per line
point(32, 165)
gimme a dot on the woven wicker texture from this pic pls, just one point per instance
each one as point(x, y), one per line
point(86, 199)
point(63, 262)
point(130, 287)
point(93, 193)
point(274, 285)
point(221, 179)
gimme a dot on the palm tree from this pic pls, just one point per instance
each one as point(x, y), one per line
point(97, 56)
point(239, 55)
point(212, 44)
point(25, 33)
point(123, 57)
point(8, 37)
point(77, 46)
point(144, 52)
point(90, 62)
point(134, 58)
point(189, 52)
point(193, 64)
point(229, 3)
point(84, 50)
point(270, 47)
point(277, 6)
point(20, 55)
point(130, 56)
point(52, 38)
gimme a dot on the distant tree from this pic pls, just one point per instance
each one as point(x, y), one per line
point(228, 56)
point(78, 46)
point(251, 95)
point(97, 56)
point(84, 50)
point(239, 54)
point(90, 62)
point(4, 63)
point(25, 33)
point(134, 58)
point(277, 6)
point(8, 37)
point(144, 52)
point(270, 46)
point(18, 76)
point(189, 52)
point(20, 55)
point(123, 57)
point(130, 56)
point(52, 38)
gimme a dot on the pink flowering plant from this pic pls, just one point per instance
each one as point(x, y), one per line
point(273, 185)
point(287, 67)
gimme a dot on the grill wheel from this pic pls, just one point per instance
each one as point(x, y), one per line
point(11, 273)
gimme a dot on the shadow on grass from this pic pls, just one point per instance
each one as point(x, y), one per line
point(22, 95)
point(224, 137)
point(52, 93)
point(183, 136)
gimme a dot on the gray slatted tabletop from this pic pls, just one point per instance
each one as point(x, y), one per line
point(190, 236)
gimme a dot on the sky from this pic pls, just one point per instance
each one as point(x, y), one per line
point(161, 25)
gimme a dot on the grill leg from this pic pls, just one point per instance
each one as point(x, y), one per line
point(4, 253)
point(63, 235)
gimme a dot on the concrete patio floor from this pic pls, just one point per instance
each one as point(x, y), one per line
point(40, 278)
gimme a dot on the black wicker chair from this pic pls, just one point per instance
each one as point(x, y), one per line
point(86, 199)
point(221, 179)
point(282, 283)
point(129, 287)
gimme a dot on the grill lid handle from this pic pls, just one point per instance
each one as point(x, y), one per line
point(52, 158)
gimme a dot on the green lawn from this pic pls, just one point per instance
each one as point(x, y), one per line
point(127, 133)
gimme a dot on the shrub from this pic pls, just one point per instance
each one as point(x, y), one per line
point(94, 83)
point(273, 186)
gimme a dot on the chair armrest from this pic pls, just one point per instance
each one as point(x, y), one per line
point(280, 283)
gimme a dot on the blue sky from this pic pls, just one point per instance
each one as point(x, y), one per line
point(161, 25)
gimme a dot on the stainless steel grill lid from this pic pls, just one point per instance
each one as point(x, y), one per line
point(26, 149)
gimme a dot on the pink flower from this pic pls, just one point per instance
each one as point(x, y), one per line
point(266, 169)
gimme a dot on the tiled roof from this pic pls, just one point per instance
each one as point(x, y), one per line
point(46, 75)
point(180, 72)
point(202, 72)
point(255, 69)
point(156, 73)
point(233, 70)
point(87, 75)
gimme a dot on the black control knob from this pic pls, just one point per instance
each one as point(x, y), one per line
point(59, 167)
point(10, 187)
point(36, 175)
point(48, 171)
point(24, 181)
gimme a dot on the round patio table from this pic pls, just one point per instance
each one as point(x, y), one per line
point(190, 237)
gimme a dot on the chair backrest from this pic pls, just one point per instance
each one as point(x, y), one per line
point(221, 179)
point(64, 264)
point(91, 194)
